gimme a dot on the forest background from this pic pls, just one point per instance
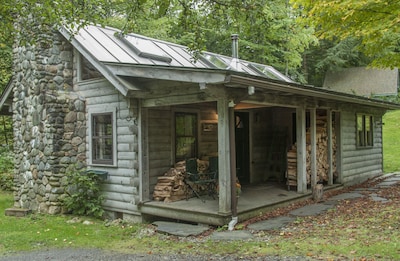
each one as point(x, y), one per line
point(301, 38)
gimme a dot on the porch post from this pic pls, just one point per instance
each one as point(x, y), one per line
point(143, 155)
point(313, 141)
point(224, 168)
point(301, 149)
point(330, 150)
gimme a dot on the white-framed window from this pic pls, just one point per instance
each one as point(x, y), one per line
point(365, 137)
point(102, 141)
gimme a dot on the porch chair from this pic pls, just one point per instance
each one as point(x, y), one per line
point(202, 181)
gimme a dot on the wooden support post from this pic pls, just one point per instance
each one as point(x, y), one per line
point(330, 148)
point(313, 145)
point(144, 194)
point(224, 163)
point(301, 150)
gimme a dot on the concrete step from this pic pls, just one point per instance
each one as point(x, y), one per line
point(17, 212)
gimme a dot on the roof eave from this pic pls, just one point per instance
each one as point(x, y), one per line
point(309, 91)
point(122, 86)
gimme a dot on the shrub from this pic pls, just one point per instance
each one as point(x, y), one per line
point(83, 194)
point(6, 169)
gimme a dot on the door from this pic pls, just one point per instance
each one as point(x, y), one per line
point(242, 146)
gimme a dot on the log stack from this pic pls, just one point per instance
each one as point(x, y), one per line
point(321, 154)
point(171, 186)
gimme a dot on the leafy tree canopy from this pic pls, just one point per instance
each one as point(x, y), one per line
point(374, 23)
point(267, 28)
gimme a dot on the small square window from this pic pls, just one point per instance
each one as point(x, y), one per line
point(364, 130)
point(102, 138)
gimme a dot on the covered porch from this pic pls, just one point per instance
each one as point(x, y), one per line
point(239, 125)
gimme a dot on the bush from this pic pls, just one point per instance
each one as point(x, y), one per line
point(83, 194)
point(6, 169)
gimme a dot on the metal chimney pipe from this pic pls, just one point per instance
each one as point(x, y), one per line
point(235, 64)
point(235, 46)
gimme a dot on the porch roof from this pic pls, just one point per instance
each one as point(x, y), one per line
point(128, 61)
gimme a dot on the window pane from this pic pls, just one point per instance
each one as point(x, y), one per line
point(102, 138)
point(185, 136)
point(360, 133)
point(368, 129)
point(364, 130)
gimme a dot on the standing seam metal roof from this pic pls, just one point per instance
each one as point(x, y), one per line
point(107, 44)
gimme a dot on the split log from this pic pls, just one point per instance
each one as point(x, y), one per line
point(171, 187)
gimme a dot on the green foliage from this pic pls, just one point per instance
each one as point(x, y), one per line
point(374, 23)
point(331, 56)
point(6, 132)
point(6, 169)
point(391, 141)
point(5, 64)
point(84, 193)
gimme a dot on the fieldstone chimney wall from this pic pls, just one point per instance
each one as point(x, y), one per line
point(49, 122)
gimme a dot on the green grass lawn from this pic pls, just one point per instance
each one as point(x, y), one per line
point(354, 229)
point(391, 141)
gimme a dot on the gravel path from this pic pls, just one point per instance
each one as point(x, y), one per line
point(99, 255)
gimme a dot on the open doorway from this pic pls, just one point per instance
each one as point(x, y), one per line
point(242, 146)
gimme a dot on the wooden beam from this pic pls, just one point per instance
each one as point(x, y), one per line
point(168, 73)
point(301, 150)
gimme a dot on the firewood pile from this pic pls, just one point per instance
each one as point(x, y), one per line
point(321, 154)
point(171, 186)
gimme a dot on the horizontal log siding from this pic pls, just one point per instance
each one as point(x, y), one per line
point(359, 164)
point(121, 188)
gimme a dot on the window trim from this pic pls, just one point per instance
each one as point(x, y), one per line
point(364, 139)
point(92, 161)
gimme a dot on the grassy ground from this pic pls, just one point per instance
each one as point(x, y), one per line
point(391, 141)
point(359, 229)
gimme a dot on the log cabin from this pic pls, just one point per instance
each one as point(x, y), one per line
point(137, 108)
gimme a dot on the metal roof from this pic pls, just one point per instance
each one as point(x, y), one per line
point(120, 57)
point(108, 45)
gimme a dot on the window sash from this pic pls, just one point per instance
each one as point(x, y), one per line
point(364, 130)
point(102, 138)
point(185, 136)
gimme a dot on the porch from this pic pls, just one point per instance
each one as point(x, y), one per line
point(254, 199)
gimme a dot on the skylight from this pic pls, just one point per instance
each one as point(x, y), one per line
point(146, 48)
point(214, 61)
point(268, 71)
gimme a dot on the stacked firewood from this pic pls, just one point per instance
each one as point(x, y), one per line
point(171, 186)
point(321, 154)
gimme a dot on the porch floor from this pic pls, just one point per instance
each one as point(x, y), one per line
point(253, 200)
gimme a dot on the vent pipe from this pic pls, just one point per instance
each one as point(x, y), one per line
point(235, 63)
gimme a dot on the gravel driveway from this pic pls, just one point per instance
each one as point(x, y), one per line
point(99, 255)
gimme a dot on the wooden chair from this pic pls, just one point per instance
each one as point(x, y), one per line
point(199, 182)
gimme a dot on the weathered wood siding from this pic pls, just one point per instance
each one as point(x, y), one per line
point(121, 189)
point(358, 164)
point(160, 143)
